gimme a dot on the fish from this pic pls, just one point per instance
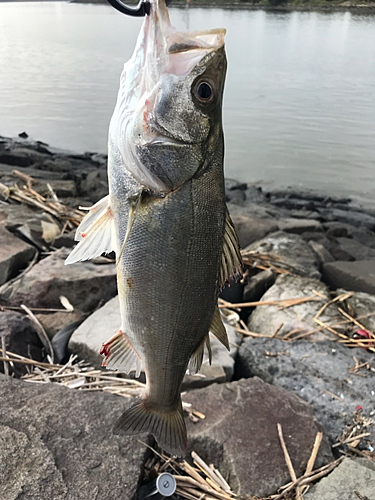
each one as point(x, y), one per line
point(166, 219)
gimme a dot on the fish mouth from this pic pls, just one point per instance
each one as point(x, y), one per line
point(162, 140)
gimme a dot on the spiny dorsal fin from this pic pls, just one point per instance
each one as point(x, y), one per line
point(96, 233)
point(218, 329)
point(120, 355)
point(231, 260)
point(168, 427)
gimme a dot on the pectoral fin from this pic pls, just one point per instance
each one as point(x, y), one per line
point(134, 203)
point(96, 233)
point(120, 355)
point(231, 260)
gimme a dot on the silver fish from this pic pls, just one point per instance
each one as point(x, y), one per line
point(166, 218)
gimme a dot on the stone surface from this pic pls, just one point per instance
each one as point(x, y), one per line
point(359, 219)
point(15, 254)
point(87, 340)
point(56, 444)
point(257, 285)
point(20, 338)
point(239, 433)
point(310, 370)
point(298, 226)
point(321, 252)
point(53, 322)
point(362, 304)
point(266, 319)
point(356, 276)
point(355, 250)
point(84, 284)
point(296, 254)
point(348, 479)
point(250, 229)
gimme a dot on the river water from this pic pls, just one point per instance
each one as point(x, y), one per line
point(299, 102)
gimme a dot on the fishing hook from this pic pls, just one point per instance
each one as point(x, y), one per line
point(142, 9)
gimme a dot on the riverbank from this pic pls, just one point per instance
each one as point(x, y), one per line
point(300, 325)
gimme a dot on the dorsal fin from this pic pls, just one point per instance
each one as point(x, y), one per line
point(231, 260)
point(96, 233)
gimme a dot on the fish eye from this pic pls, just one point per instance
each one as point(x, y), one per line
point(204, 90)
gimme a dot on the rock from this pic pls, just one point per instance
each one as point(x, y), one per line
point(85, 284)
point(267, 319)
point(87, 340)
point(355, 250)
point(15, 159)
point(257, 285)
point(321, 252)
point(20, 338)
point(239, 433)
point(348, 479)
point(357, 219)
point(298, 226)
point(232, 292)
point(311, 369)
point(65, 240)
point(233, 185)
point(15, 254)
point(296, 255)
point(356, 276)
point(54, 322)
point(95, 186)
point(33, 155)
point(339, 229)
point(56, 444)
point(362, 304)
point(62, 188)
point(250, 229)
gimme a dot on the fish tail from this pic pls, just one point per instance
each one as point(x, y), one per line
point(167, 426)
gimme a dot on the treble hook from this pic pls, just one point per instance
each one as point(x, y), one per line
point(142, 9)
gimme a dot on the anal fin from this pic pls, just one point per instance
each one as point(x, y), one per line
point(120, 355)
point(166, 425)
point(218, 329)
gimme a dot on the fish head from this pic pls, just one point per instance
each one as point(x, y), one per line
point(167, 122)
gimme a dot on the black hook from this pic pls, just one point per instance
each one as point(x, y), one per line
point(140, 10)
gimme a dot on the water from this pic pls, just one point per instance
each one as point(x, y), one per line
point(299, 100)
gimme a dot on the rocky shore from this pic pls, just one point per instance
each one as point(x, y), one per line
point(301, 327)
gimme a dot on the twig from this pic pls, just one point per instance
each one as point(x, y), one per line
point(6, 367)
point(351, 439)
point(288, 461)
point(356, 322)
point(332, 395)
point(40, 331)
point(283, 303)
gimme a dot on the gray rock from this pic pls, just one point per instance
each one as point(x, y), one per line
point(321, 252)
point(56, 443)
point(95, 186)
point(239, 433)
point(298, 226)
point(15, 159)
point(267, 319)
point(358, 219)
point(311, 369)
point(257, 285)
point(20, 338)
point(103, 323)
point(62, 188)
point(362, 304)
point(84, 284)
point(250, 229)
point(340, 229)
point(356, 276)
point(15, 254)
point(296, 255)
point(355, 250)
point(348, 479)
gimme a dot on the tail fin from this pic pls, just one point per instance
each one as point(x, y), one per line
point(168, 427)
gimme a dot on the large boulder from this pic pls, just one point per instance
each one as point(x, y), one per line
point(15, 254)
point(56, 443)
point(296, 254)
point(351, 480)
point(358, 276)
point(252, 228)
point(266, 319)
point(318, 373)
point(239, 434)
point(85, 284)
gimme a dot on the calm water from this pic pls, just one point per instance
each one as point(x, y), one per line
point(299, 102)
